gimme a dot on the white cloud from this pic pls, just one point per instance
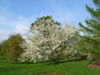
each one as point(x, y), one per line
point(23, 24)
point(3, 32)
point(9, 26)
point(21, 28)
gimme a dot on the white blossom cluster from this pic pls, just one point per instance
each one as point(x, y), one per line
point(47, 42)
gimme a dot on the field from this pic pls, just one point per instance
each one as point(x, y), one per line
point(68, 68)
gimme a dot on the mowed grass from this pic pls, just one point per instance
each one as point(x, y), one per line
point(68, 68)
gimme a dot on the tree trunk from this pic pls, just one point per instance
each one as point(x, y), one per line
point(16, 61)
point(57, 60)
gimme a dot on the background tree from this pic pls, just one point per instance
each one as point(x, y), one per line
point(48, 41)
point(3, 47)
point(0, 47)
point(14, 50)
point(89, 42)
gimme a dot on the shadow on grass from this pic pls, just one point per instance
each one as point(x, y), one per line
point(75, 60)
point(25, 62)
point(2, 58)
point(60, 62)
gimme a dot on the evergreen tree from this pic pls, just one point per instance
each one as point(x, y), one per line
point(89, 42)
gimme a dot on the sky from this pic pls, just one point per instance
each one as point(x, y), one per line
point(16, 16)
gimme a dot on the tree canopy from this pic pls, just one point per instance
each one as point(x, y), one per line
point(91, 32)
point(48, 41)
point(11, 47)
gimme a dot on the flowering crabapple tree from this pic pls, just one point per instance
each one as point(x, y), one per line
point(48, 40)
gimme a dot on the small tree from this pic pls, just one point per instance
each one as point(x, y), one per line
point(14, 50)
point(48, 41)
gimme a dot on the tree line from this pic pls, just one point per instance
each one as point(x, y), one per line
point(49, 41)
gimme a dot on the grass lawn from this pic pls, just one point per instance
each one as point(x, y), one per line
point(68, 68)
